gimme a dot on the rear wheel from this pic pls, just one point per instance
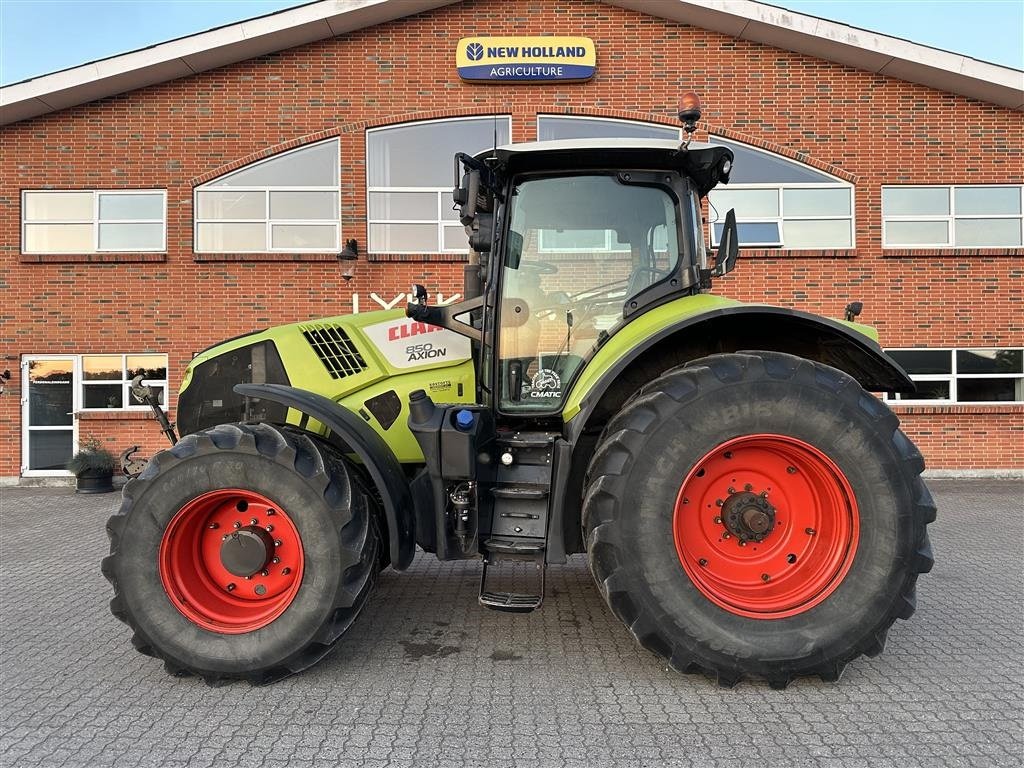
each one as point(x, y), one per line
point(245, 551)
point(757, 515)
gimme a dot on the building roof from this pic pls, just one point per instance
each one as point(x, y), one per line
point(743, 19)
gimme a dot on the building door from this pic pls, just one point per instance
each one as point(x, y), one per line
point(49, 401)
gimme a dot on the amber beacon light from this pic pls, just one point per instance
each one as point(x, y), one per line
point(689, 111)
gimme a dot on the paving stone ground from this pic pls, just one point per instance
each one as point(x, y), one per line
point(427, 678)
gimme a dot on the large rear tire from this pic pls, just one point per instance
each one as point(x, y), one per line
point(757, 515)
point(243, 552)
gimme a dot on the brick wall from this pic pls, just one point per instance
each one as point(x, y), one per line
point(870, 128)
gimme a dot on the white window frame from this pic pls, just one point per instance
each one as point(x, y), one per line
point(781, 219)
point(95, 221)
point(951, 217)
point(267, 221)
point(952, 378)
point(440, 192)
point(76, 396)
point(125, 382)
point(596, 118)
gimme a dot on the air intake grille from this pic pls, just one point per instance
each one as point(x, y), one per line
point(335, 349)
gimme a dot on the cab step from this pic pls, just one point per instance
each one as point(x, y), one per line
point(526, 553)
point(525, 439)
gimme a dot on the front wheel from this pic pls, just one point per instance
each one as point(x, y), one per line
point(757, 515)
point(243, 552)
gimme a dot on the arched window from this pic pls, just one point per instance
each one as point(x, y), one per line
point(582, 127)
point(286, 203)
point(409, 179)
point(781, 203)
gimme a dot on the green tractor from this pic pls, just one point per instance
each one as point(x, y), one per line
point(747, 507)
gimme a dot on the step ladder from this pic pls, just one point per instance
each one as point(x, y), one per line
point(519, 521)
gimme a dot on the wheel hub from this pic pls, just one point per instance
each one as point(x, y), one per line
point(231, 560)
point(766, 526)
point(247, 552)
point(748, 516)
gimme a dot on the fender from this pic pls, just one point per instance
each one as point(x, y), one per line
point(347, 431)
point(748, 327)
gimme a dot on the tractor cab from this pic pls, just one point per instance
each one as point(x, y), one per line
point(572, 241)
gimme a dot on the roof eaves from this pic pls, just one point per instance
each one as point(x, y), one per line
point(199, 52)
point(844, 44)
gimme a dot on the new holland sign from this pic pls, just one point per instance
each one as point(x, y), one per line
point(525, 59)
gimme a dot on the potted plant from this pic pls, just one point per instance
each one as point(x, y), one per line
point(93, 466)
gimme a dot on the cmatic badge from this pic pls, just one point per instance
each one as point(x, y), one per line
point(526, 59)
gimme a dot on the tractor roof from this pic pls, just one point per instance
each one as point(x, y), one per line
point(704, 163)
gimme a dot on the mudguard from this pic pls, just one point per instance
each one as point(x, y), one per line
point(352, 435)
point(748, 327)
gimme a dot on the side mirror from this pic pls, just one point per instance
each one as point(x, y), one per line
point(728, 246)
point(466, 196)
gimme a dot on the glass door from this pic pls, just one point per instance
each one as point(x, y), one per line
point(49, 427)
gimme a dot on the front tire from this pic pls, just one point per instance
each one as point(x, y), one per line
point(757, 515)
point(243, 552)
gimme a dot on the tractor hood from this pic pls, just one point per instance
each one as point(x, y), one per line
point(337, 357)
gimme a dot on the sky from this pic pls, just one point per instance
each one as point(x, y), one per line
point(42, 36)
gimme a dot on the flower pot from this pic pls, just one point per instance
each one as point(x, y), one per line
point(90, 482)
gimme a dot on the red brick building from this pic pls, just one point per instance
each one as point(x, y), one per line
point(876, 170)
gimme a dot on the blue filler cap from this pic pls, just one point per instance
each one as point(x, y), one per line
point(464, 420)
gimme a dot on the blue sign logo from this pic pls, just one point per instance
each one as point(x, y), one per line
point(525, 59)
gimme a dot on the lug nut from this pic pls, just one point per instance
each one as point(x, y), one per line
point(725, 535)
point(253, 521)
point(731, 489)
point(271, 512)
point(765, 577)
point(264, 572)
point(224, 537)
point(719, 502)
point(718, 521)
point(276, 560)
point(269, 528)
point(748, 487)
point(236, 524)
point(742, 543)
point(277, 542)
point(248, 578)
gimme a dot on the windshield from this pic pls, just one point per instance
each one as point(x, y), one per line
point(578, 249)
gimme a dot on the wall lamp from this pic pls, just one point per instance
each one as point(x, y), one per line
point(348, 255)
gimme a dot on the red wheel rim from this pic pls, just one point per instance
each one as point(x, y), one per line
point(756, 482)
point(203, 540)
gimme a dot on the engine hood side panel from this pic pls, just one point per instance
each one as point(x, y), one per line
point(369, 363)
